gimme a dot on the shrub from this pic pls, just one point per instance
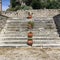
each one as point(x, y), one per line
point(36, 4)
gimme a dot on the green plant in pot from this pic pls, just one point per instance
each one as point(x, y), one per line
point(30, 41)
point(30, 25)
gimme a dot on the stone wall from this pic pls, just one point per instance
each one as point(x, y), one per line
point(2, 21)
point(36, 13)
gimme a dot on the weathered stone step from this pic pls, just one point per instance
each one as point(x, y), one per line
point(11, 35)
point(24, 21)
point(11, 28)
point(26, 37)
point(13, 38)
point(34, 38)
point(35, 23)
point(46, 38)
point(19, 21)
point(34, 41)
point(34, 45)
point(47, 45)
point(12, 32)
point(34, 31)
point(15, 45)
point(17, 40)
point(18, 35)
point(18, 31)
point(23, 33)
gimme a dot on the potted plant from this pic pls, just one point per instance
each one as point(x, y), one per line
point(30, 24)
point(30, 34)
point(29, 15)
point(30, 41)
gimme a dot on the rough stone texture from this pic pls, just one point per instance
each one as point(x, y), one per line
point(36, 13)
point(29, 53)
point(15, 33)
point(3, 20)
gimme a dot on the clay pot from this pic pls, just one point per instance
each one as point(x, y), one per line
point(30, 34)
point(30, 42)
point(29, 17)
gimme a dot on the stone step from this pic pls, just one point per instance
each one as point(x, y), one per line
point(33, 19)
point(12, 32)
point(12, 29)
point(10, 26)
point(34, 45)
point(25, 34)
point(46, 38)
point(54, 42)
point(25, 22)
point(34, 38)
point(20, 26)
point(26, 37)
point(34, 31)
point(13, 45)
point(34, 41)
point(18, 35)
point(18, 21)
point(35, 23)
point(47, 45)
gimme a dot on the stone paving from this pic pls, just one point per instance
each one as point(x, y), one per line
point(29, 53)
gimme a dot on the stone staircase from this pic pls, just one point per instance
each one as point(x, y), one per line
point(15, 33)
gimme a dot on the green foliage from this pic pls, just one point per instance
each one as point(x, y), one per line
point(11, 9)
point(20, 8)
point(24, 7)
point(53, 5)
point(36, 4)
point(32, 23)
point(13, 3)
point(28, 2)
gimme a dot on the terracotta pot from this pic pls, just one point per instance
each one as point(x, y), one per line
point(30, 42)
point(30, 34)
point(29, 17)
